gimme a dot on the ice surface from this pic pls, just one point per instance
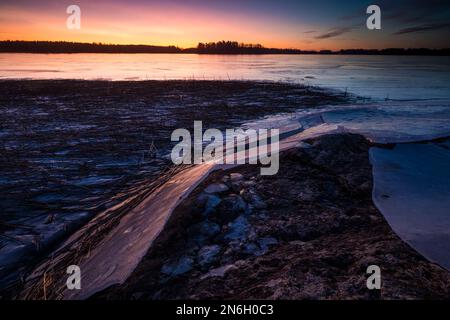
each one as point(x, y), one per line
point(412, 190)
point(412, 181)
point(424, 79)
point(380, 77)
point(382, 122)
point(394, 122)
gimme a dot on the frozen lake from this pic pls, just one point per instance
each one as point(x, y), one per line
point(411, 180)
point(417, 108)
point(412, 189)
point(395, 77)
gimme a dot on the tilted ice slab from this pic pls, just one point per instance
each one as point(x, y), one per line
point(411, 180)
point(395, 122)
point(382, 122)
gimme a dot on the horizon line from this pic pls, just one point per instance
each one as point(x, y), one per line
point(250, 46)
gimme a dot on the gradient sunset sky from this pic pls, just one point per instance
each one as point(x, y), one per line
point(288, 24)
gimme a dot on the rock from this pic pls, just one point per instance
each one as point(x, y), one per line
point(238, 229)
point(235, 177)
point(201, 199)
point(216, 188)
point(263, 215)
point(314, 287)
point(207, 255)
point(253, 249)
point(365, 188)
point(50, 218)
point(200, 232)
point(302, 144)
point(229, 252)
point(257, 202)
point(261, 247)
point(208, 201)
point(236, 187)
point(330, 190)
point(219, 272)
point(229, 208)
point(235, 203)
point(307, 195)
point(246, 194)
point(209, 228)
point(358, 219)
point(297, 243)
point(137, 295)
point(264, 243)
point(252, 235)
point(249, 183)
point(212, 203)
point(178, 267)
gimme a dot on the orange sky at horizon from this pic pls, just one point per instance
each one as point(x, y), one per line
point(183, 28)
point(175, 25)
point(184, 25)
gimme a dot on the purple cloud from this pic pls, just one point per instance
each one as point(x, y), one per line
point(423, 28)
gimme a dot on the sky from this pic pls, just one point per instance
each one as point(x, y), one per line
point(308, 25)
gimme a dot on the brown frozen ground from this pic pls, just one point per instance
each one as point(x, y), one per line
point(70, 149)
point(309, 232)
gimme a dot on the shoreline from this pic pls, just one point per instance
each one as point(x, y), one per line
point(77, 155)
point(220, 48)
point(246, 242)
point(205, 250)
point(411, 190)
point(315, 96)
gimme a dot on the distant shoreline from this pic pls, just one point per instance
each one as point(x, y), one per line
point(222, 48)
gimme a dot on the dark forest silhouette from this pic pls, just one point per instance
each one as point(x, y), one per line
point(79, 47)
point(233, 47)
point(221, 47)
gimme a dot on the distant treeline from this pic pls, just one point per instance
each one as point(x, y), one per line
point(233, 47)
point(79, 47)
point(221, 47)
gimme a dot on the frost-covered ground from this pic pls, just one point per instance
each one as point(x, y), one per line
point(308, 232)
point(71, 149)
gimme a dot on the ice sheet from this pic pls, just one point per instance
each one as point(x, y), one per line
point(412, 181)
point(412, 190)
point(382, 122)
